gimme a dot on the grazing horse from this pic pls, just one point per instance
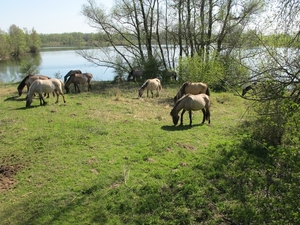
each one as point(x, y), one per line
point(247, 88)
point(28, 80)
point(45, 86)
point(191, 103)
point(78, 79)
point(192, 88)
point(71, 72)
point(135, 73)
point(151, 85)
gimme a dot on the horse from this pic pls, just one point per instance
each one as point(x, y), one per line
point(78, 79)
point(192, 88)
point(151, 85)
point(171, 74)
point(28, 80)
point(135, 73)
point(45, 86)
point(191, 103)
point(247, 88)
point(71, 72)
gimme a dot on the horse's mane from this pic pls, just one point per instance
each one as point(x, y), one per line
point(182, 89)
point(145, 84)
point(178, 102)
point(22, 83)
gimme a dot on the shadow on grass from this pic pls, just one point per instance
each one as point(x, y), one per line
point(14, 98)
point(180, 127)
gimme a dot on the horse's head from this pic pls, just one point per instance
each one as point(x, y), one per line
point(141, 91)
point(67, 89)
point(19, 92)
point(175, 117)
point(28, 101)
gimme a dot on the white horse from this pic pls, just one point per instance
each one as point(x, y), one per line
point(45, 86)
point(191, 103)
point(151, 85)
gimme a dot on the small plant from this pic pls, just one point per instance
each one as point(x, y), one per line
point(58, 75)
point(28, 68)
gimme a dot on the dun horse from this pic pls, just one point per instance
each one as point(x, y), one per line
point(151, 85)
point(79, 79)
point(28, 80)
point(191, 103)
point(45, 86)
point(192, 88)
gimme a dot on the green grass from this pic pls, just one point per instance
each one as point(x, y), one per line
point(108, 157)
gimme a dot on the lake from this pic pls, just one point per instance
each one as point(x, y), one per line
point(52, 63)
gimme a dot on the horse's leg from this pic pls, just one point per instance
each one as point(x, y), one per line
point(152, 93)
point(181, 118)
point(78, 88)
point(57, 95)
point(204, 115)
point(42, 101)
point(190, 115)
point(63, 96)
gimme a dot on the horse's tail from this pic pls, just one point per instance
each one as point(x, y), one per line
point(207, 109)
point(207, 91)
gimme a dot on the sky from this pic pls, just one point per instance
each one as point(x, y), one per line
point(46, 17)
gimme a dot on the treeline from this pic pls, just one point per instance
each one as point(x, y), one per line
point(76, 39)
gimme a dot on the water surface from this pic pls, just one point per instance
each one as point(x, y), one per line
point(53, 63)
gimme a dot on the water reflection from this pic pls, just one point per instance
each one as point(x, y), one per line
point(53, 63)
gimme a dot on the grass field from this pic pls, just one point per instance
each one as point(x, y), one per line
point(109, 157)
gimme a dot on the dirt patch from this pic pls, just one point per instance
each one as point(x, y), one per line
point(8, 170)
point(186, 146)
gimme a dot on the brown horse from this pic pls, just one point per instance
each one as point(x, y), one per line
point(248, 87)
point(191, 103)
point(151, 85)
point(171, 75)
point(71, 72)
point(192, 88)
point(135, 74)
point(28, 80)
point(78, 79)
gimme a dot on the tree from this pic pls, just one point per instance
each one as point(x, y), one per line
point(155, 35)
point(4, 45)
point(17, 41)
point(33, 41)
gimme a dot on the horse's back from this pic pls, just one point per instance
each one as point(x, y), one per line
point(79, 78)
point(195, 102)
point(195, 88)
point(46, 86)
point(154, 84)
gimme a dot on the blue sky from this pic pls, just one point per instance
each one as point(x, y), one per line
point(50, 16)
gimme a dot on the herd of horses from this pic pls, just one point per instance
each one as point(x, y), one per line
point(190, 97)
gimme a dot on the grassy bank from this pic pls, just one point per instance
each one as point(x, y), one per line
point(108, 157)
